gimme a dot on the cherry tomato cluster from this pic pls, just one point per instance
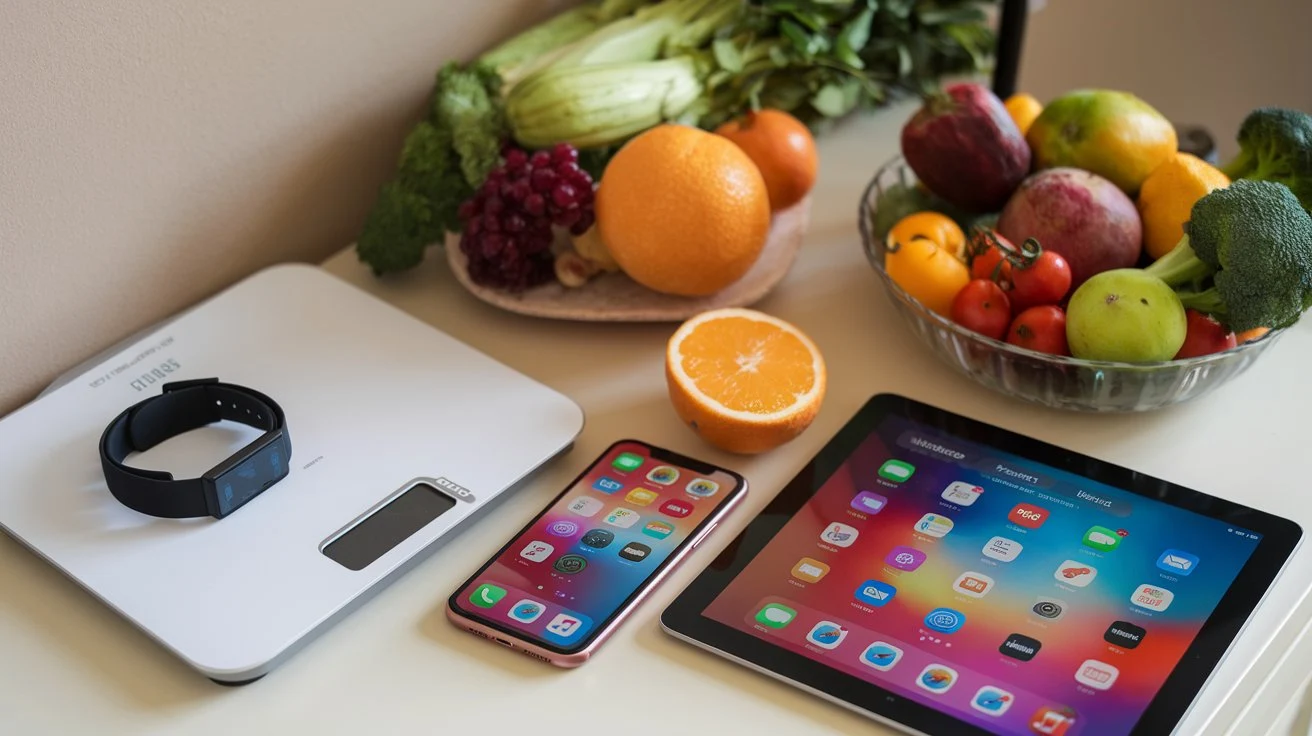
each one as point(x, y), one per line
point(1015, 293)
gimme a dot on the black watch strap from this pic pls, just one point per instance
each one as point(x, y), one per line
point(182, 407)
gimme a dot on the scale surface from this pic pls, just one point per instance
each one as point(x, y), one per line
point(381, 408)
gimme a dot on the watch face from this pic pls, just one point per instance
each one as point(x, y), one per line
point(246, 475)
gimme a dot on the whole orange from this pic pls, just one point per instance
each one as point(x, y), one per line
point(782, 148)
point(682, 211)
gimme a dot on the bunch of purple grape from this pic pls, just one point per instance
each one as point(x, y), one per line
point(507, 223)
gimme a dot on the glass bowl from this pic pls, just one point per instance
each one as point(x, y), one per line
point(1051, 380)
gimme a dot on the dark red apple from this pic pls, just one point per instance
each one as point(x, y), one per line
point(1083, 217)
point(1204, 336)
point(965, 147)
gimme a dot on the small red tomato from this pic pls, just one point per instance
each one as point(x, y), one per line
point(1044, 281)
point(982, 306)
point(1042, 329)
point(1204, 336)
point(986, 257)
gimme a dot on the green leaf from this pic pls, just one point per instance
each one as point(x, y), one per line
point(831, 101)
point(727, 55)
point(797, 36)
point(940, 16)
point(853, 38)
point(778, 56)
point(904, 61)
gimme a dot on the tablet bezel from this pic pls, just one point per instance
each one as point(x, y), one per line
point(1280, 537)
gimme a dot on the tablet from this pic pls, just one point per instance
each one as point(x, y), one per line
point(945, 576)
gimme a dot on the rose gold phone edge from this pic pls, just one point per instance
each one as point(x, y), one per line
point(514, 643)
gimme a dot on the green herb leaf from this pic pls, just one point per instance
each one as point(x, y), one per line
point(853, 38)
point(727, 55)
point(830, 101)
point(939, 16)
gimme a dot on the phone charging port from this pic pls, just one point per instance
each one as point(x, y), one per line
point(504, 643)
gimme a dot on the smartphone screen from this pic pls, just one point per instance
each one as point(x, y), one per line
point(563, 578)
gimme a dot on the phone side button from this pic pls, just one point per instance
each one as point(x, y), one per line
point(703, 535)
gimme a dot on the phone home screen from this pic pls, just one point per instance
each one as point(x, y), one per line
point(565, 576)
point(1016, 596)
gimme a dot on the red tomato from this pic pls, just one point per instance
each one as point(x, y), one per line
point(982, 306)
point(1042, 329)
point(985, 248)
point(1044, 281)
point(1204, 336)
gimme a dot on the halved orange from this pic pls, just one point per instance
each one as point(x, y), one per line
point(744, 381)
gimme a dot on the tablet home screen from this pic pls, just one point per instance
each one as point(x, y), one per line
point(576, 564)
point(1010, 594)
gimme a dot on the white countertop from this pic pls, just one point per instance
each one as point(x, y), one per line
point(68, 665)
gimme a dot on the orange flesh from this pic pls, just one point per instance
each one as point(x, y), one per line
point(747, 365)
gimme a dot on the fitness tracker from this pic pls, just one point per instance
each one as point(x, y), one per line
point(182, 407)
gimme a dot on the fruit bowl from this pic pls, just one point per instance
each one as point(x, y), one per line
point(1051, 380)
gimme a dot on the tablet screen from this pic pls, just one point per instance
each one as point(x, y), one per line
point(1010, 594)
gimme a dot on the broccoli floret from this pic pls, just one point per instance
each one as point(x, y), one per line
point(1253, 242)
point(468, 100)
point(1275, 144)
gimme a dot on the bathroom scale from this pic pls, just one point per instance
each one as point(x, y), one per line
point(941, 575)
point(399, 435)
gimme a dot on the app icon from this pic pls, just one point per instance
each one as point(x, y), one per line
point(1028, 516)
point(1052, 720)
point(536, 551)
point(905, 558)
point(1177, 562)
point(622, 518)
point(973, 584)
point(663, 474)
point(1049, 608)
point(598, 538)
point(896, 471)
point(676, 508)
point(875, 593)
point(992, 700)
point(961, 493)
point(658, 529)
point(1152, 597)
point(526, 611)
point(937, 678)
point(1124, 634)
point(1075, 573)
point(810, 570)
point(933, 525)
point(839, 535)
point(1102, 539)
point(487, 595)
point(627, 462)
point(641, 496)
point(564, 625)
point(1019, 646)
point(570, 564)
point(585, 506)
point(827, 635)
point(945, 620)
point(1097, 675)
point(869, 503)
point(775, 615)
point(702, 487)
point(607, 485)
point(562, 528)
point(881, 655)
point(1002, 549)
point(635, 552)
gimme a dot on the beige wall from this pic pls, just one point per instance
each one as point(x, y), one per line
point(154, 151)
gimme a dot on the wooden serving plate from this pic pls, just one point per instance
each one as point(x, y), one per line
point(614, 297)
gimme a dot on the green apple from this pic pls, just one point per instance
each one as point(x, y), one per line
point(1125, 315)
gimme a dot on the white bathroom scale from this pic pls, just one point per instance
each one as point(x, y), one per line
point(399, 434)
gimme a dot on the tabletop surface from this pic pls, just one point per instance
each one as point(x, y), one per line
point(397, 665)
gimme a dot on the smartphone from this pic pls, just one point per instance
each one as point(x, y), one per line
point(567, 580)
